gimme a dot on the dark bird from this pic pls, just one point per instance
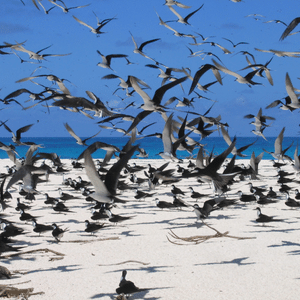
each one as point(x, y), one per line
point(185, 19)
point(106, 59)
point(92, 227)
point(127, 287)
point(100, 25)
point(203, 69)
point(176, 191)
point(290, 202)
point(289, 28)
point(60, 207)
point(235, 45)
point(17, 137)
point(163, 204)
point(26, 216)
point(196, 195)
point(264, 218)
point(115, 218)
point(79, 141)
point(58, 232)
point(279, 153)
point(40, 228)
point(204, 212)
point(139, 50)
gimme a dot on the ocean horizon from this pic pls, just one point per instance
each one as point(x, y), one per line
point(67, 148)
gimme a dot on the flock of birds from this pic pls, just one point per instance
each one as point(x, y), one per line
point(107, 179)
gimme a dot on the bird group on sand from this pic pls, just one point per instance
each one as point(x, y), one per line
point(204, 183)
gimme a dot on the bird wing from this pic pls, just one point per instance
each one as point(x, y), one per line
point(289, 28)
point(72, 133)
point(93, 175)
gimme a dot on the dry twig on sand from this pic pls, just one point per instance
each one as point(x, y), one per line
point(33, 251)
point(202, 238)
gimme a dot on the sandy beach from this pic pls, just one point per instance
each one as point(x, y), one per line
point(236, 257)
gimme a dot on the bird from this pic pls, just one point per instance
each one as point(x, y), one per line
point(115, 218)
point(234, 151)
point(40, 228)
point(60, 207)
point(16, 138)
point(79, 141)
point(196, 195)
point(185, 19)
point(100, 25)
point(36, 55)
point(58, 232)
point(239, 78)
point(289, 28)
point(106, 59)
point(26, 216)
point(290, 202)
point(139, 50)
point(278, 153)
point(64, 8)
point(164, 204)
point(203, 69)
point(105, 191)
point(176, 191)
point(127, 287)
point(204, 212)
point(92, 227)
point(209, 173)
point(264, 218)
point(235, 45)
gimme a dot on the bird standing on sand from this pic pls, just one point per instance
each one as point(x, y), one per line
point(127, 287)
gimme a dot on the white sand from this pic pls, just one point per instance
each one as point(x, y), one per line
point(265, 267)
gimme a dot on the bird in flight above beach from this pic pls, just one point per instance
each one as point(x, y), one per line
point(278, 152)
point(79, 141)
point(36, 55)
point(106, 59)
point(96, 30)
point(139, 50)
point(172, 2)
point(180, 18)
point(64, 8)
point(281, 53)
point(17, 137)
point(290, 28)
point(239, 78)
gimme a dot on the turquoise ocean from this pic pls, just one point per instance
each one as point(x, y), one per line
point(67, 148)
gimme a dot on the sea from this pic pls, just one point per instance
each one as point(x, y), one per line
point(67, 148)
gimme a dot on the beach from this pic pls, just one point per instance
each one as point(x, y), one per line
point(231, 256)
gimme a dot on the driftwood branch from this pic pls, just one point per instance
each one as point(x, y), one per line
point(202, 238)
point(32, 251)
point(90, 241)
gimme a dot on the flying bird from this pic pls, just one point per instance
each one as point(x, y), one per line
point(290, 28)
point(79, 141)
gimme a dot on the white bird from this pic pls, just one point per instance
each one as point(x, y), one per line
point(239, 78)
point(106, 60)
point(180, 18)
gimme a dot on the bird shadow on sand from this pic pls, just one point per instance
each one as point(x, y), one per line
point(268, 228)
point(288, 244)
point(67, 268)
point(238, 261)
point(138, 295)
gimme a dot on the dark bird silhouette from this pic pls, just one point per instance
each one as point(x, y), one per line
point(289, 28)
point(264, 218)
point(127, 287)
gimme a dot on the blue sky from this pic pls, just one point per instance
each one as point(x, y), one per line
point(218, 18)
